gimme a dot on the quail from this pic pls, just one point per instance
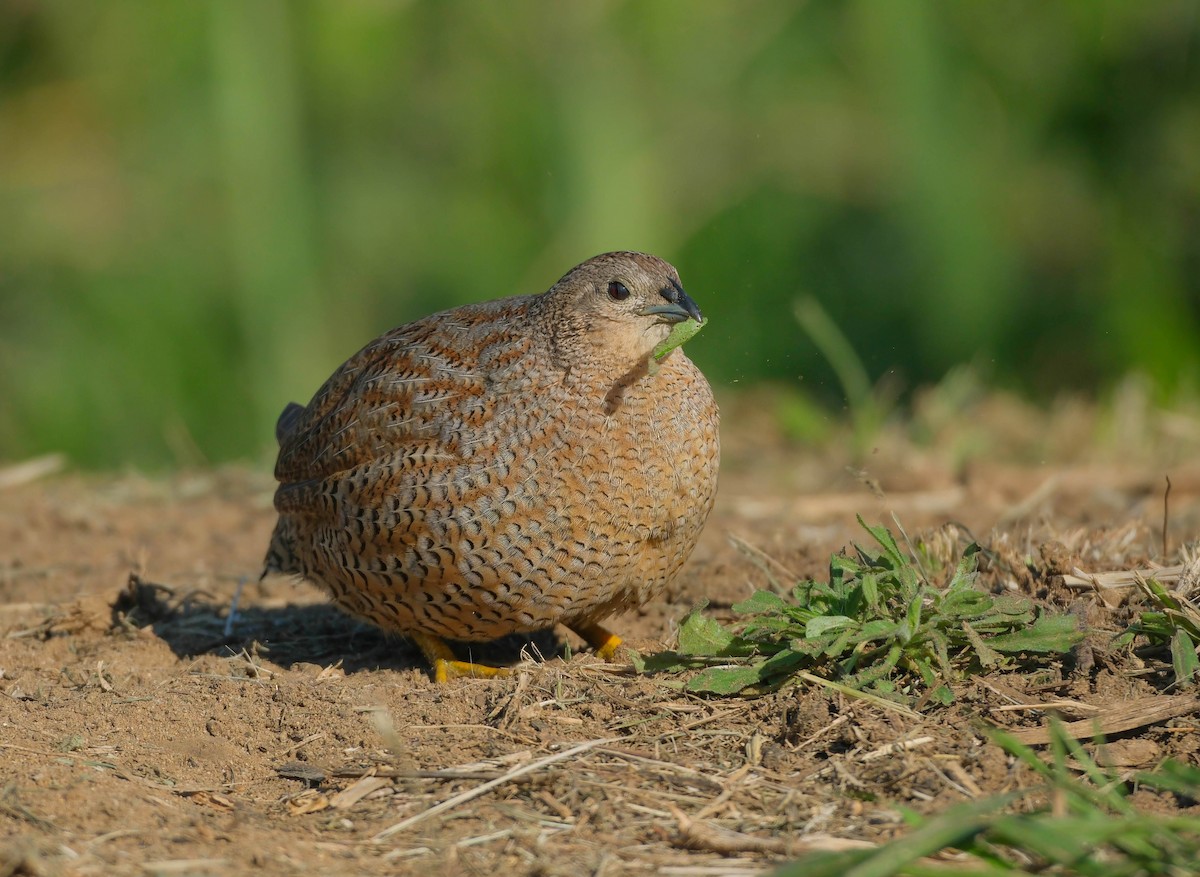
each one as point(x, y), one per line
point(506, 466)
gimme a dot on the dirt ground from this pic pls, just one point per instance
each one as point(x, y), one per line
point(139, 736)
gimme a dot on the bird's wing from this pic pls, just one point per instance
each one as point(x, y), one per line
point(398, 396)
point(423, 394)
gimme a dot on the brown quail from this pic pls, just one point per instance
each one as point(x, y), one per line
point(506, 466)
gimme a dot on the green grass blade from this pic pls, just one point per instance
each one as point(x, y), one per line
point(1173, 776)
point(884, 537)
point(1183, 657)
point(1049, 633)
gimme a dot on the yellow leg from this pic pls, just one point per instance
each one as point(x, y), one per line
point(446, 666)
point(603, 641)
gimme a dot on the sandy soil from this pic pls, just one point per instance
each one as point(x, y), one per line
point(138, 736)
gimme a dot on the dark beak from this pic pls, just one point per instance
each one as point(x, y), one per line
point(677, 307)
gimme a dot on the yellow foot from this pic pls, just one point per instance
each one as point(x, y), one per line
point(444, 671)
point(604, 642)
point(446, 666)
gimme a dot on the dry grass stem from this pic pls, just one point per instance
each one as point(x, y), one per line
point(470, 794)
point(1122, 578)
point(1117, 719)
point(33, 469)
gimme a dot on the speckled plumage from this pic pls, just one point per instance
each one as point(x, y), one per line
point(505, 466)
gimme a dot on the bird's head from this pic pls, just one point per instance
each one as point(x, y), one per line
point(618, 307)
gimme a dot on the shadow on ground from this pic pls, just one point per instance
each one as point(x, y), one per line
point(193, 622)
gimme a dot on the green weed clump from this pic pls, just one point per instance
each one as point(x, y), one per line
point(1172, 622)
point(1093, 830)
point(878, 627)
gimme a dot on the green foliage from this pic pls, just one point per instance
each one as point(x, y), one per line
point(877, 626)
point(208, 206)
point(867, 411)
point(1173, 624)
point(1096, 833)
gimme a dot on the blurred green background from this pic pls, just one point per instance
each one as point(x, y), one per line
point(206, 206)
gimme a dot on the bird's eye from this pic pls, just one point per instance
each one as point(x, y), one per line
point(617, 291)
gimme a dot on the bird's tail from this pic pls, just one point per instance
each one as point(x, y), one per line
point(281, 555)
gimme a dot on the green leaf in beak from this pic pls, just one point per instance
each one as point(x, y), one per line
point(680, 333)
